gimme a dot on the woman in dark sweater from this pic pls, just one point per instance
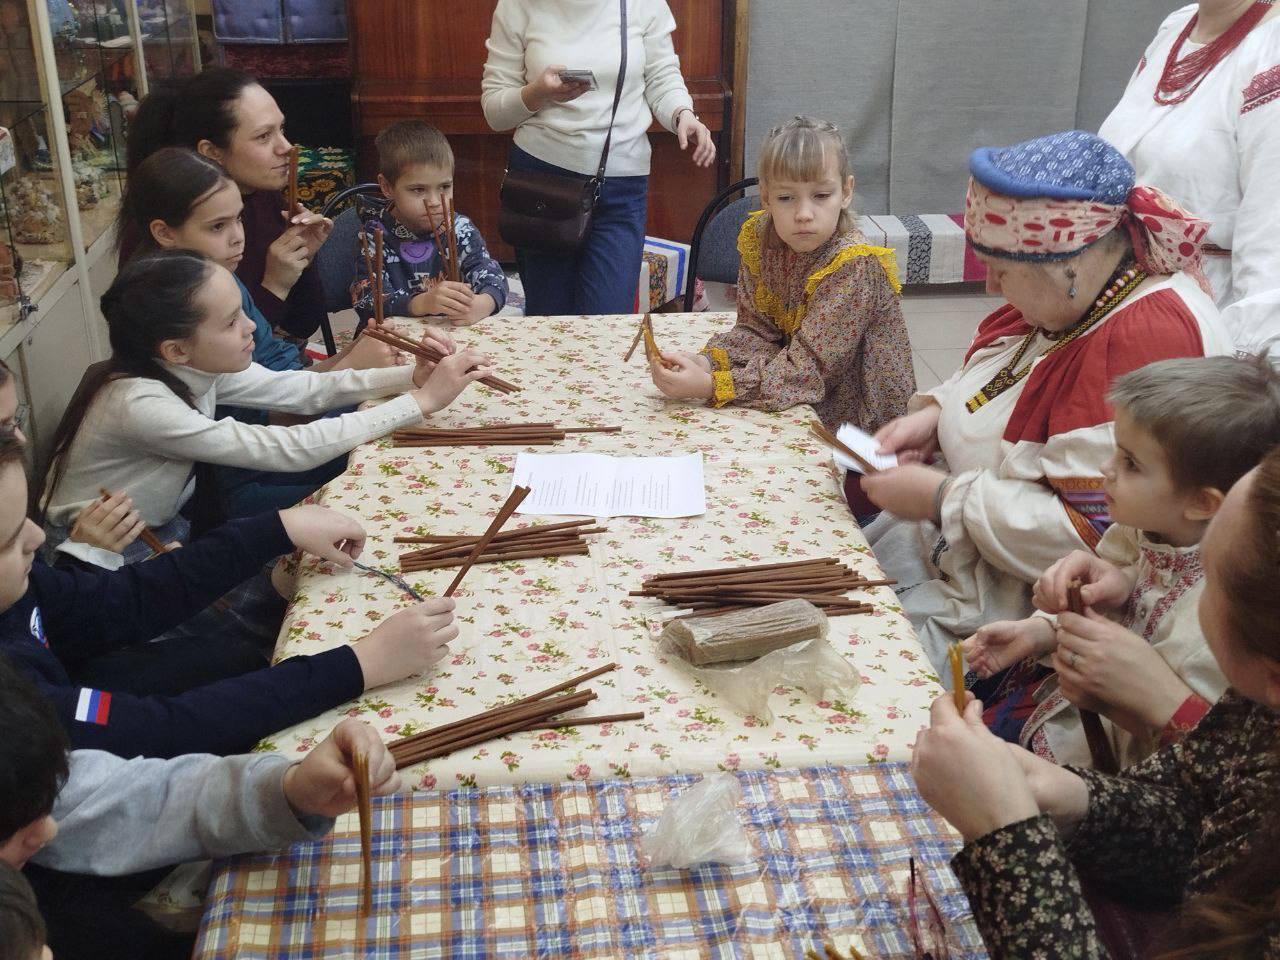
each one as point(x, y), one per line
point(1194, 828)
point(229, 117)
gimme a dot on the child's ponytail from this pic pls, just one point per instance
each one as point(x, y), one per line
point(151, 300)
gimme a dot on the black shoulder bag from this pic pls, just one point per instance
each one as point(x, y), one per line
point(552, 212)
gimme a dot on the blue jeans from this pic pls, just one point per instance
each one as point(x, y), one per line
point(601, 276)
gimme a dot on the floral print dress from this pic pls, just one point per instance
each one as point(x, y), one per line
point(823, 328)
point(1172, 827)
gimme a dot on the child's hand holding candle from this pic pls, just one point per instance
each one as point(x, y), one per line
point(682, 376)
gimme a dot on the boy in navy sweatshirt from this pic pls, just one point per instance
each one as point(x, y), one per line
point(415, 168)
point(51, 619)
point(105, 817)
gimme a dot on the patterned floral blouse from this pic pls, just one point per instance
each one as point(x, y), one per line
point(1167, 829)
point(823, 328)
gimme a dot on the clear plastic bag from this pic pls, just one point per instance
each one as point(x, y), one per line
point(812, 665)
point(700, 826)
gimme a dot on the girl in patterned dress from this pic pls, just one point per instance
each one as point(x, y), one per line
point(1186, 430)
point(819, 320)
point(1193, 827)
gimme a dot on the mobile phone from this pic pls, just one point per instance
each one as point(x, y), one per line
point(579, 76)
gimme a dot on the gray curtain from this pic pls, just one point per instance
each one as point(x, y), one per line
point(916, 86)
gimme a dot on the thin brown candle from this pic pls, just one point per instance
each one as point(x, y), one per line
point(455, 272)
point(825, 561)
point(503, 535)
point(626, 357)
point(291, 193)
point(830, 439)
point(586, 721)
point(146, 536)
point(513, 501)
point(1095, 735)
point(957, 676)
point(377, 283)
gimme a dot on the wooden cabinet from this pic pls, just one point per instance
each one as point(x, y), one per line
point(425, 60)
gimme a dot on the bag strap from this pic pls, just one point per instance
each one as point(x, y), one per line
point(617, 93)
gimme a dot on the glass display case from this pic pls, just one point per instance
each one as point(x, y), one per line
point(71, 75)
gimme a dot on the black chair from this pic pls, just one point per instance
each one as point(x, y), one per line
point(713, 253)
point(335, 260)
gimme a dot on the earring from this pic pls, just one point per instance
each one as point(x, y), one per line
point(1071, 275)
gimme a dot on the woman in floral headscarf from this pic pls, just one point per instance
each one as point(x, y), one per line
point(1101, 278)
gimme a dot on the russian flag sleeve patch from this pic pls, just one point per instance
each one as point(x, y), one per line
point(94, 706)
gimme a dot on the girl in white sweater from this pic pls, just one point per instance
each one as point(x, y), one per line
point(561, 125)
point(181, 344)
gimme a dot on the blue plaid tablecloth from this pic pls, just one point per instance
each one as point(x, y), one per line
point(554, 870)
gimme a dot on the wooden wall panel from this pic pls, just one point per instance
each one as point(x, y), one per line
point(416, 59)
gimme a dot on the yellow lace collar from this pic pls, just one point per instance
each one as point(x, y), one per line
point(750, 246)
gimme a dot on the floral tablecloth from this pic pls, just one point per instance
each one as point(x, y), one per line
point(557, 870)
point(771, 495)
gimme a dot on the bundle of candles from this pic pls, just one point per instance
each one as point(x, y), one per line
point(491, 435)
point(360, 772)
point(544, 540)
point(533, 712)
point(424, 351)
point(831, 440)
point(645, 333)
point(446, 239)
point(708, 592)
point(1104, 757)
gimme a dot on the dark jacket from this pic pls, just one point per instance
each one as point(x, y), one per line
point(70, 615)
point(408, 259)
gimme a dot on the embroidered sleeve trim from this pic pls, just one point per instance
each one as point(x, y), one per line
point(1185, 719)
point(719, 359)
point(725, 393)
point(1262, 89)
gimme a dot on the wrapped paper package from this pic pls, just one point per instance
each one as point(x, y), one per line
point(782, 644)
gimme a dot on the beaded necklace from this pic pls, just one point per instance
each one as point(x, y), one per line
point(1124, 283)
point(1180, 78)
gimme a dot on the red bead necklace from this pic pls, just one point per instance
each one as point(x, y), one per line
point(1180, 78)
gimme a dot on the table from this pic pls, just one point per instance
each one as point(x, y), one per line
point(554, 870)
point(772, 495)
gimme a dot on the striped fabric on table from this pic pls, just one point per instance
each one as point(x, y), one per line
point(554, 870)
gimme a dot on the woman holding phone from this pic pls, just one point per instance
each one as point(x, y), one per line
point(538, 81)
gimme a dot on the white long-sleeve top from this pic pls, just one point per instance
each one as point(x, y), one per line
point(528, 36)
point(1218, 153)
point(118, 816)
point(139, 436)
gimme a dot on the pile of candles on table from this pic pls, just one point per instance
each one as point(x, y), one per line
point(707, 592)
point(491, 435)
point(534, 712)
point(540, 540)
